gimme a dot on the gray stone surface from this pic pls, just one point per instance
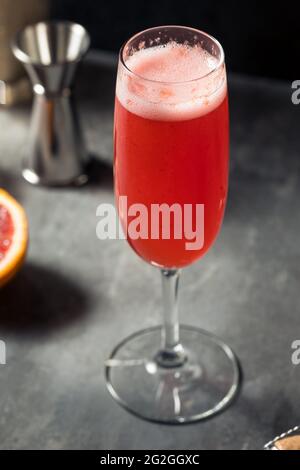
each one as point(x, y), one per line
point(76, 297)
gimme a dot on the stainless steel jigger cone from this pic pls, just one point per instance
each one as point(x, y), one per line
point(50, 52)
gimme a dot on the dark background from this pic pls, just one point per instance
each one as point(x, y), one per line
point(259, 38)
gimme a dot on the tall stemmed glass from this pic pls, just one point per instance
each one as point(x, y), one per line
point(171, 149)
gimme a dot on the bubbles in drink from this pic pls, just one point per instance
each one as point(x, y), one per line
point(172, 63)
point(172, 82)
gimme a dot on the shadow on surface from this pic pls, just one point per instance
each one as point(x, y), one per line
point(11, 183)
point(100, 172)
point(284, 417)
point(40, 300)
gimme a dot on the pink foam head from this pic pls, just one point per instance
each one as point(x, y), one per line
point(171, 80)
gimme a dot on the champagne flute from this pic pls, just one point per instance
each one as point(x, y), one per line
point(171, 145)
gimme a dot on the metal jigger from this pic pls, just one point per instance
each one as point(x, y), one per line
point(50, 52)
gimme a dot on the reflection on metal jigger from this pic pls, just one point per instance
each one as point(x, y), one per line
point(50, 52)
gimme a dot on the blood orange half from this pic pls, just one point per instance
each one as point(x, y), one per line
point(13, 236)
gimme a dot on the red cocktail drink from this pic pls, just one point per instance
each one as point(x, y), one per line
point(171, 143)
point(171, 181)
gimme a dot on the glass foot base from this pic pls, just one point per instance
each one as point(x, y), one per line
point(199, 388)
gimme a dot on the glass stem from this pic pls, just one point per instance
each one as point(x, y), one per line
point(172, 353)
